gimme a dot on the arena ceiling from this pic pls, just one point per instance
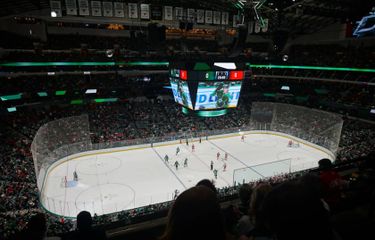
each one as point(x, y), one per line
point(295, 16)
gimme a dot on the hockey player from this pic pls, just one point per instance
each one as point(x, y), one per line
point(186, 162)
point(200, 139)
point(226, 156)
point(75, 176)
point(192, 148)
point(224, 167)
point(212, 165)
point(176, 192)
point(243, 138)
point(215, 173)
point(217, 155)
point(176, 164)
point(166, 158)
point(187, 142)
point(177, 150)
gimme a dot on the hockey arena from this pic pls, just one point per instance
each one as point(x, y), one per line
point(126, 178)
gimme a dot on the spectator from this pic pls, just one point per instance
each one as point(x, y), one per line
point(85, 230)
point(195, 215)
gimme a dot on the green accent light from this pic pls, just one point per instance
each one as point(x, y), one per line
point(102, 100)
point(312, 68)
point(143, 63)
point(12, 109)
point(11, 97)
point(201, 66)
point(60, 93)
point(42, 94)
point(76, 102)
point(269, 94)
point(302, 98)
point(214, 113)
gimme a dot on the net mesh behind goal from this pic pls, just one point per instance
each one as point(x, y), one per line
point(58, 139)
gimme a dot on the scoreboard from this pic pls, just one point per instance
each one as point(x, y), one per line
point(206, 86)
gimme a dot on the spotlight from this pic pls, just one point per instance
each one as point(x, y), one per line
point(285, 58)
point(109, 53)
point(53, 14)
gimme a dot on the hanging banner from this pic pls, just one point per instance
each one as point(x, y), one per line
point(56, 7)
point(168, 13)
point(145, 11)
point(208, 17)
point(250, 28)
point(71, 7)
point(83, 7)
point(119, 9)
point(191, 14)
point(96, 8)
point(179, 11)
point(236, 20)
point(265, 27)
point(257, 27)
point(156, 12)
point(200, 16)
point(217, 17)
point(133, 10)
point(107, 9)
point(224, 18)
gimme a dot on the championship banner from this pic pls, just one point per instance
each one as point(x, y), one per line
point(200, 16)
point(83, 7)
point(191, 14)
point(236, 20)
point(119, 9)
point(217, 17)
point(208, 17)
point(257, 27)
point(145, 11)
point(96, 8)
point(133, 10)
point(168, 13)
point(107, 9)
point(71, 7)
point(156, 12)
point(179, 11)
point(56, 7)
point(265, 27)
point(224, 18)
point(250, 28)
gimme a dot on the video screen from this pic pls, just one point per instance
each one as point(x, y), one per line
point(216, 95)
point(181, 93)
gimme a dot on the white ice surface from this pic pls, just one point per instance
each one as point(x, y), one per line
point(128, 179)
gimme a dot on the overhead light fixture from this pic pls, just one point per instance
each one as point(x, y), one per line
point(90, 91)
point(53, 14)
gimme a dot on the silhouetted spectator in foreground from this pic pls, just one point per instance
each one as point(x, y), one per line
point(332, 183)
point(207, 183)
point(85, 230)
point(293, 211)
point(195, 215)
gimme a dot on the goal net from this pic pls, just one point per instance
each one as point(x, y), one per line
point(56, 140)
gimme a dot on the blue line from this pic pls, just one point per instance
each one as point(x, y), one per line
point(169, 168)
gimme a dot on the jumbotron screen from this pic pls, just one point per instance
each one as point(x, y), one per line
point(204, 86)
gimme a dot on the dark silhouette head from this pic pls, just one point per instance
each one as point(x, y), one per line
point(293, 211)
point(84, 221)
point(207, 183)
point(195, 215)
point(37, 226)
point(324, 163)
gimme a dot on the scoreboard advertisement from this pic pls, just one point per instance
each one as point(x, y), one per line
point(216, 95)
point(206, 87)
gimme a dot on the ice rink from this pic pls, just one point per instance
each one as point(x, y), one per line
point(133, 177)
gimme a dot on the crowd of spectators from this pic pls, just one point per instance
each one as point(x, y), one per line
point(114, 122)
